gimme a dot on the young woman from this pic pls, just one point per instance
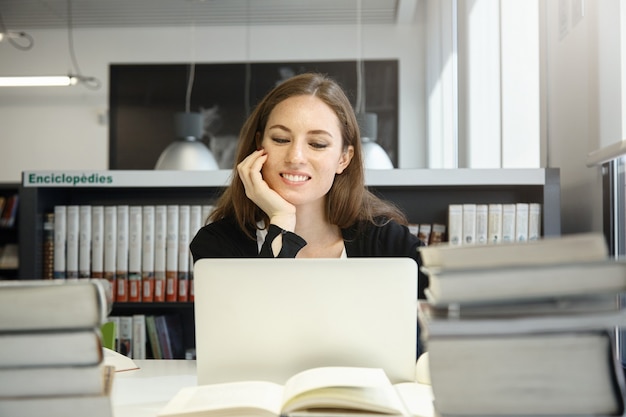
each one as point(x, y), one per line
point(298, 189)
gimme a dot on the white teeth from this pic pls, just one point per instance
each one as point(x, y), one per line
point(295, 178)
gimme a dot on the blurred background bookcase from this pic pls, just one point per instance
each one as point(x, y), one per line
point(423, 194)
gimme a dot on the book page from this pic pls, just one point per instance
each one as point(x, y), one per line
point(251, 398)
point(343, 387)
point(418, 398)
point(118, 361)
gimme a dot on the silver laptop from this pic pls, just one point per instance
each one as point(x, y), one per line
point(267, 319)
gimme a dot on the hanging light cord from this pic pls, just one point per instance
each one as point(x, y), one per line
point(360, 93)
point(90, 82)
point(192, 76)
point(19, 40)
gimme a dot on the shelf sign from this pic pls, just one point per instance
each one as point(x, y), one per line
point(126, 178)
point(73, 179)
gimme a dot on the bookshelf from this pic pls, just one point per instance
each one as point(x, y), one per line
point(8, 232)
point(423, 194)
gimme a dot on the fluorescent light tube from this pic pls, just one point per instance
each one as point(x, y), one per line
point(36, 81)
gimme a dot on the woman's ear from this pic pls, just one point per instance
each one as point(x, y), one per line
point(345, 159)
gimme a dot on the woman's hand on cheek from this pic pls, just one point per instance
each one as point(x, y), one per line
point(280, 212)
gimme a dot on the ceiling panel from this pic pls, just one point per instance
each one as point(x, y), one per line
point(46, 14)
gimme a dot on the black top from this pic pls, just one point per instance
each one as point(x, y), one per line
point(224, 239)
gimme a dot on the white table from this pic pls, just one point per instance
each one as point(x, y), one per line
point(144, 392)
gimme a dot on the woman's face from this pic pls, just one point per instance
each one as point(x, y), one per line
point(303, 142)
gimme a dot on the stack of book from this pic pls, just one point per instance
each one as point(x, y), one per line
point(524, 328)
point(51, 356)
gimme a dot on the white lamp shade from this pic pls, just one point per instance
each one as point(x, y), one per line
point(375, 157)
point(187, 155)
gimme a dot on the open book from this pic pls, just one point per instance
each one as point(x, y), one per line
point(317, 390)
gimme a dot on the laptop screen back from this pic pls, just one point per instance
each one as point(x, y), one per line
point(267, 319)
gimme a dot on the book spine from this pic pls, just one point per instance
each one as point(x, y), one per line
point(121, 271)
point(110, 246)
point(534, 221)
point(171, 254)
point(423, 232)
point(139, 336)
point(10, 212)
point(60, 236)
point(73, 224)
point(160, 238)
point(455, 224)
point(84, 242)
point(521, 222)
point(97, 242)
point(134, 253)
point(508, 222)
point(126, 336)
point(437, 234)
point(153, 338)
point(116, 328)
point(164, 338)
point(48, 246)
point(494, 228)
point(184, 212)
point(147, 258)
point(469, 224)
point(482, 223)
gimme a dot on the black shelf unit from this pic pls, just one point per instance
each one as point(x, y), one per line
point(423, 194)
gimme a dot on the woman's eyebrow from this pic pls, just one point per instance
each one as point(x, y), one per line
point(311, 132)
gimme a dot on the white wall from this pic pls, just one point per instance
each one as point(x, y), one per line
point(66, 128)
point(582, 53)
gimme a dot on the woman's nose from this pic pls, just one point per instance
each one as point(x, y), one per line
point(295, 153)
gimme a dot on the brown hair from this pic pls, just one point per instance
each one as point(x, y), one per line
point(348, 199)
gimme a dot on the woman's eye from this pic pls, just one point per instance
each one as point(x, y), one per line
point(280, 140)
point(316, 145)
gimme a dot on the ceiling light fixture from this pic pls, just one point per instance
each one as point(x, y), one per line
point(23, 41)
point(374, 156)
point(188, 152)
point(38, 81)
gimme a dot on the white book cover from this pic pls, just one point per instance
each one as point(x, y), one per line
point(494, 227)
point(482, 223)
point(455, 224)
point(469, 224)
point(508, 222)
point(73, 224)
point(147, 257)
point(184, 213)
point(60, 236)
point(84, 241)
point(171, 253)
point(134, 253)
point(521, 222)
point(534, 221)
point(121, 270)
point(160, 238)
point(126, 336)
point(110, 244)
point(139, 336)
point(97, 241)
